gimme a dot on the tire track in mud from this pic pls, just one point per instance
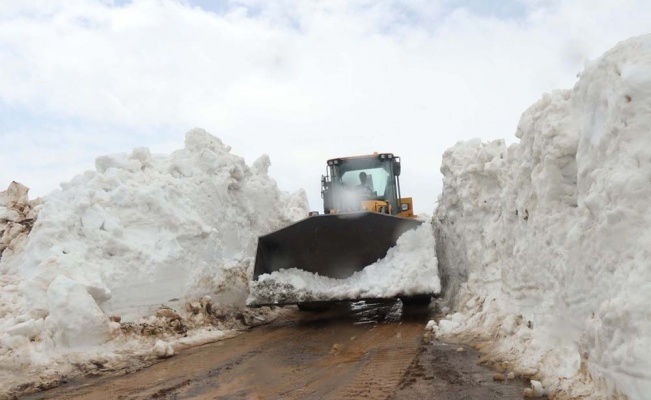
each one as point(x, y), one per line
point(368, 352)
point(342, 354)
point(170, 377)
point(379, 377)
point(371, 366)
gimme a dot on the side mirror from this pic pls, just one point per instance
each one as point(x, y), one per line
point(396, 168)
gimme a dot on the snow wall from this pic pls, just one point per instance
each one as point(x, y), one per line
point(140, 231)
point(545, 245)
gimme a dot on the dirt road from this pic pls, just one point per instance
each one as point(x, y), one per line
point(351, 352)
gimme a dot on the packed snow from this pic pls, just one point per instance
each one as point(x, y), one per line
point(544, 244)
point(410, 268)
point(139, 256)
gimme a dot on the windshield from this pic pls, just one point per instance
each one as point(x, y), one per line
point(355, 180)
point(350, 174)
point(376, 180)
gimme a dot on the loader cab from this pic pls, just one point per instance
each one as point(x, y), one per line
point(340, 187)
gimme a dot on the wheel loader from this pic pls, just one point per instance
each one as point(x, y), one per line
point(364, 214)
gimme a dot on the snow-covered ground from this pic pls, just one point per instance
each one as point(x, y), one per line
point(130, 258)
point(545, 245)
point(409, 268)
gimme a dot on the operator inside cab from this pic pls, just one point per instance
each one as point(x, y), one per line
point(364, 188)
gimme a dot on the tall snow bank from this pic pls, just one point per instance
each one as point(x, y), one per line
point(143, 229)
point(545, 244)
point(139, 231)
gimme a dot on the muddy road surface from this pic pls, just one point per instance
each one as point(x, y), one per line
point(354, 351)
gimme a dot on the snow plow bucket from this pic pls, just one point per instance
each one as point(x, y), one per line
point(332, 245)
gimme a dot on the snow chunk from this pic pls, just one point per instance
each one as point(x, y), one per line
point(30, 328)
point(75, 319)
point(163, 349)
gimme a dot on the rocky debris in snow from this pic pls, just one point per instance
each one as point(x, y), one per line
point(193, 307)
point(17, 216)
point(166, 312)
point(167, 321)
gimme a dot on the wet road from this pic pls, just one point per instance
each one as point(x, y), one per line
point(350, 352)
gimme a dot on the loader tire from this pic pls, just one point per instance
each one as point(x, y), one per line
point(419, 300)
point(314, 307)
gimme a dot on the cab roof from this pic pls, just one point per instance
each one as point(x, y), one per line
point(374, 155)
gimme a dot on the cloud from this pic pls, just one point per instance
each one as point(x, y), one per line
point(301, 81)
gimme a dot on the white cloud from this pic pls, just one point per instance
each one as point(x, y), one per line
point(302, 81)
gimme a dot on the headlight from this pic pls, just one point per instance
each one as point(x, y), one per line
point(404, 206)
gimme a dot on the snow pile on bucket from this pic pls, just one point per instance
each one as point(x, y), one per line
point(140, 231)
point(409, 268)
point(546, 243)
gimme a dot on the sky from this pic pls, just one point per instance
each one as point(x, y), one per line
point(301, 81)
